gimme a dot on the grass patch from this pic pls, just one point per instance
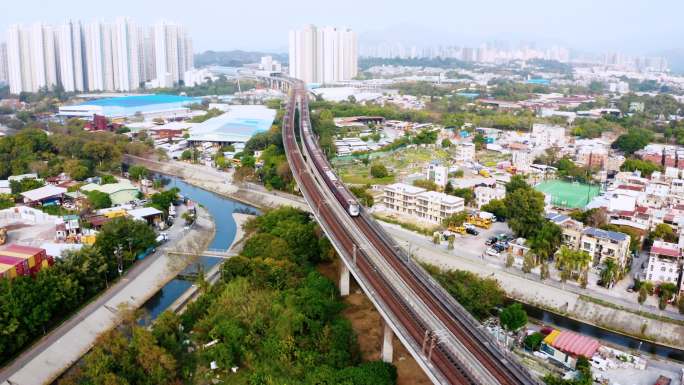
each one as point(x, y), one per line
point(366, 179)
point(408, 225)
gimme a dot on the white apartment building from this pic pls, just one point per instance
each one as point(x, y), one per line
point(663, 263)
point(173, 53)
point(438, 174)
point(323, 55)
point(71, 57)
point(522, 159)
point(31, 58)
point(3, 63)
point(600, 244)
point(430, 206)
point(98, 56)
point(465, 152)
point(545, 136)
point(484, 194)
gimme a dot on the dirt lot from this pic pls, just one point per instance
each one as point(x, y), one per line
point(368, 326)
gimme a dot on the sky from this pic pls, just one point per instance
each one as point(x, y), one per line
point(629, 26)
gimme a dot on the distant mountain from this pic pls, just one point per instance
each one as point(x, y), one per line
point(235, 58)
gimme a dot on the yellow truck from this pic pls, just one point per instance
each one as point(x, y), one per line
point(479, 222)
point(457, 229)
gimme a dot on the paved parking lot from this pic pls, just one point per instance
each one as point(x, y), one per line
point(474, 245)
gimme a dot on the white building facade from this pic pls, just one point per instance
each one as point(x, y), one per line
point(323, 55)
point(430, 206)
point(3, 63)
point(98, 56)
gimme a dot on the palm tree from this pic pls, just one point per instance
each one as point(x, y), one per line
point(572, 261)
point(609, 273)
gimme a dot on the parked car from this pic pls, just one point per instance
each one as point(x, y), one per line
point(472, 231)
point(499, 247)
point(490, 241)
point(493, 252)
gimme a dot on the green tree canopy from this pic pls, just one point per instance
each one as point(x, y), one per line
point(513, 317)
point(99, 200)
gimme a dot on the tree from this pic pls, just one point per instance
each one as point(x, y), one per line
point(126, 236)
point(478, 295)
point(450, 245)
point(544, 271)
point(455, 220)
point(546, 240)
point(572, 261)
point(496, 207)
point(138, 172)
point(467, 194)
point(510, 260)
point(646, 167)
point(361, 192)
point(525, 209)
point(77, 169)
point(449, 188)
point(108, 179)
point(584, 279)
point(634, 140)
point(513, 317)
point(426, 184)
point(378, 170)
point(664, 231)
point(529, 263)
point(680, 304)
point(99, 200)
point(643, 295)
point(26, 184)
point(610, 273)
point(533, 341)
point(186, 155)
point(163, 200)
point(446, 143)
point(667, 291)
point(517, 182)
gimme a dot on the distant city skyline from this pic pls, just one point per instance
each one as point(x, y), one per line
point(633, 27)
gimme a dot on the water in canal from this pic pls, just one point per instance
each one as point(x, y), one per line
point(221, 209)
point(616, 339)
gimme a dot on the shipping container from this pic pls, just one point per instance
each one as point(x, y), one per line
point(7, 271)
point(20, 265)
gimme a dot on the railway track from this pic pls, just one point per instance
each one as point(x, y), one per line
point(450, 340)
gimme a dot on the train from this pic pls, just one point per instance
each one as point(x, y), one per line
point(320, 161)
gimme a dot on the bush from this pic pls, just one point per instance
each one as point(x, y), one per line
point(533, 341)
point(99, 200)
point(426, 184)
point(378, 171)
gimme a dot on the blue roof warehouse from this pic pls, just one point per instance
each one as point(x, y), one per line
point(128, 106)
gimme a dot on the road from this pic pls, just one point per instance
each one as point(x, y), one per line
point(469, 253)
point(46, 359)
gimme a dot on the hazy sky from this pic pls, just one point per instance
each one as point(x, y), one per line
point(633, 26)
